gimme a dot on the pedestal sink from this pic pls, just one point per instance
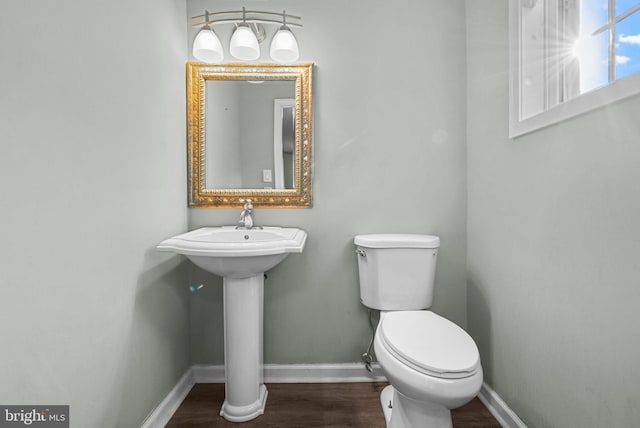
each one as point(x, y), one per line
point(241, 257)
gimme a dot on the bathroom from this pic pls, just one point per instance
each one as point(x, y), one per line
point(411, 134)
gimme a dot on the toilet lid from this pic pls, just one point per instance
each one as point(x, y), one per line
point(430, 344)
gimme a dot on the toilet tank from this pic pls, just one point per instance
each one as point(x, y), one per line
point(397, 270)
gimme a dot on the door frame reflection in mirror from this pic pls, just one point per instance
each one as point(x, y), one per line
point(201, 196)
point(280, 146)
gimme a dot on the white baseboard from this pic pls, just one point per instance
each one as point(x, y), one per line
point(499, 409)
point(306, 373)
point(206, 373)
point(298, 373)
point(322, 373)
point(165, 410)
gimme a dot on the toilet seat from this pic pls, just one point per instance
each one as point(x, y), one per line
point(430, 344)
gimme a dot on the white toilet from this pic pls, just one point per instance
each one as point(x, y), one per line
point(433, 365)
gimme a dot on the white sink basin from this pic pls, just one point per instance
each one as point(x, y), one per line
point(237, 253)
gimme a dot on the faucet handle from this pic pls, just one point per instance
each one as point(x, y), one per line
point(248, 205)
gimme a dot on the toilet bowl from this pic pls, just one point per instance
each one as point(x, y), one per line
point(432, 364)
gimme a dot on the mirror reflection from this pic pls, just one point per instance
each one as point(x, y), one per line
point(284, 125)
point(249, 134)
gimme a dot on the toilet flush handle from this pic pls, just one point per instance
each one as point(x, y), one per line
point(361, 253)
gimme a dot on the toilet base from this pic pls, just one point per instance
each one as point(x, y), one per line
point(403, 412)
point(386, 400)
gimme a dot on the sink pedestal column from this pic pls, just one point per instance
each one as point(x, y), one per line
point(245, 392)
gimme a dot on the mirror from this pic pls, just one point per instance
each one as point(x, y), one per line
point(249, 134)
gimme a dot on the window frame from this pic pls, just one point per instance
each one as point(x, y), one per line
point(580, 104)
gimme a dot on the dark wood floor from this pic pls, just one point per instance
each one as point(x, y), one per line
point(311, 405)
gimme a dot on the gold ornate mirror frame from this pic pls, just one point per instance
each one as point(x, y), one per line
point(199, 195)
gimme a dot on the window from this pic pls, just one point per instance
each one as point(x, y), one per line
point(610, 40)
point(571, 56)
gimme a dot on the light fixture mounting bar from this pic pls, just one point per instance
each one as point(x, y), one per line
point(250, 16)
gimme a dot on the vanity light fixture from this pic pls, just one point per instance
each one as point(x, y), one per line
point(207, 46)
point(246, 38)
point(284, 47)
point(244, 44)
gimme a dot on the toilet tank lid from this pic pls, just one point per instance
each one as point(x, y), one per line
point(397, 240)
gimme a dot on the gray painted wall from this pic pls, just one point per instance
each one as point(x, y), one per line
point(389, 108)
point(92, 177)
point(222, 135)
point(553, 242)
point(257, 129)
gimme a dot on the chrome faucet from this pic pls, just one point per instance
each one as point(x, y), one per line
point(246, 216)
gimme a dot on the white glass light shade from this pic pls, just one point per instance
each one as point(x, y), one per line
point(284, 47)
point(207, 46)
point(244, 44)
